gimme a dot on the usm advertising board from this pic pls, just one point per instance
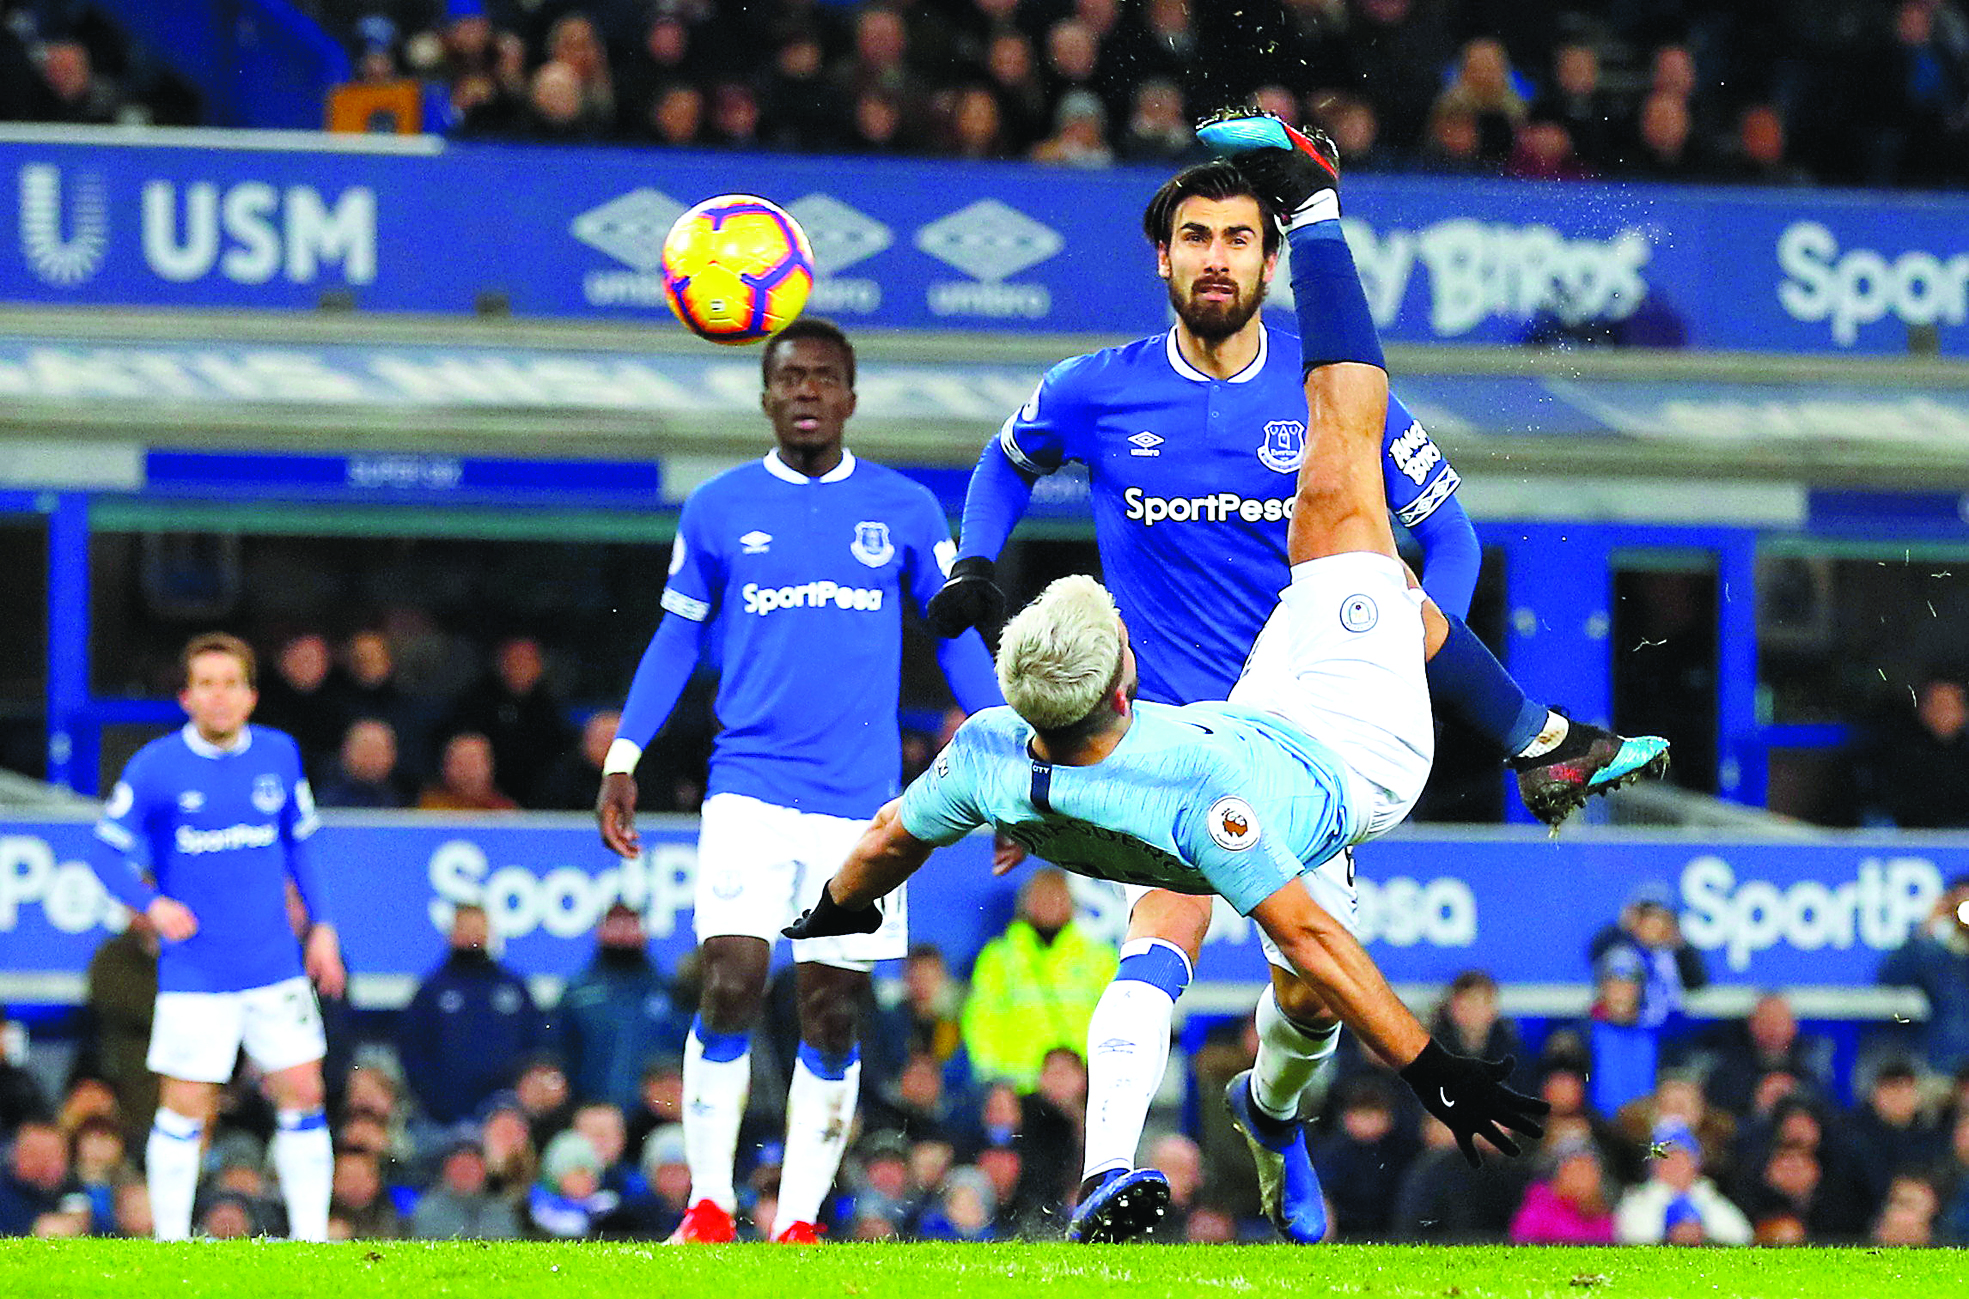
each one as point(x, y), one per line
point(1522, 906)
point(237, 222)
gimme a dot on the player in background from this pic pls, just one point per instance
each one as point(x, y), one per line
point(220, 816)
point(1190, 439)
point(800, 561)
point(1325, 741)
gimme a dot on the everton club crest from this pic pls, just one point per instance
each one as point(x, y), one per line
point(872, 545)
point(1284, 446)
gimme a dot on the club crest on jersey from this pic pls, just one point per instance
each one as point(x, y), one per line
point(1358, 613)
point(267, 794)
point(1284, 446)
point(872, 545)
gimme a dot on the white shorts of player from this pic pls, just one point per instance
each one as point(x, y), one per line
point(1341, 658)
point(760, 865)
point(196, 1036)
point(1331, 884)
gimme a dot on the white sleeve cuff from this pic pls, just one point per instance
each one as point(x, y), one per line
point(623, 755)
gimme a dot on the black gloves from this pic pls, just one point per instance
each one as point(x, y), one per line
point(970, 598)
point(1469, 1096)
point(827, 919)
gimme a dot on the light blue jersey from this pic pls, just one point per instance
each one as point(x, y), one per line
point(804, 579)
point(1203, 798)
point(220, 830)
point(1193, 481)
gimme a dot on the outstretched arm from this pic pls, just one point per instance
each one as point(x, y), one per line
point(882, 859)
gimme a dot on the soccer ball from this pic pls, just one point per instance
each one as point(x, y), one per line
point(737, 269)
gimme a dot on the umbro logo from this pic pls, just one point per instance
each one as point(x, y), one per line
point(1145, 444)
point(755, 542)
point(191, 800)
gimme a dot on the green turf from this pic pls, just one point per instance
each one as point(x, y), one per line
point(400, 1270)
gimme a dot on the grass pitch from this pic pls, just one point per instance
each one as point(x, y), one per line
point(117, 1269)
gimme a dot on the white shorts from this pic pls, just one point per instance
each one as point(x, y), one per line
point(196, 1036)
point(1341, 658)
point(760, 865)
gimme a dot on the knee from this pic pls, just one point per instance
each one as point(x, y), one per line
point(732, 994)
point(828, 1020)
point(1304, 1006)
point(1177, 919)
point(299, 1089)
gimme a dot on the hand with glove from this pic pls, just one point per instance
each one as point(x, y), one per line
point(1470, 1097)
point(828, 919)
point(970, 598)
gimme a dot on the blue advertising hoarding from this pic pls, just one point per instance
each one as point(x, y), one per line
point(1522, 906)
point(576, 232)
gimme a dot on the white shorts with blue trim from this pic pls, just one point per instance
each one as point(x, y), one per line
point(196, 1036)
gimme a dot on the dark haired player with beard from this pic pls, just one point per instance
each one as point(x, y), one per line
point(1192, 440)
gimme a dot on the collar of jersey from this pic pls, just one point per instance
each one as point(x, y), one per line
point(780, 469)
point(1190, 372)
point(204, 748)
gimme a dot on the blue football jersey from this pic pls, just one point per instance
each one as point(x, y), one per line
point(1203, 798)
point(218, 830)
point(804, 581)
point(1193, 481)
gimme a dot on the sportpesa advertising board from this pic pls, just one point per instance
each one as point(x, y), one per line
point(1520, 905)
point(247, 220)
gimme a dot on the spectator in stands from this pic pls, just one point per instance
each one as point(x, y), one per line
point(1757, 152)
point(365, 775)
point(1544, 151)
point(1073, 56)
point(1667, 147)
point(545, 1098)
point(568, 1202)
point(1467, 1022)
point(1483, 87)
point(359, 1206)
point(574, 779)
point(1163, 43)
point(734, 117)
point(1649, 928)
point(1955, 1171)
point(917, 1104)
point(934, 1003)
point(1910, 1214)
point(1678, 1098)
point(1677, 1204)
point(37, 1195)
point(880, 60)
point(975, 130)
point(516, 709)
point(1022, 101)
point(1356, 132)
point(1444, 1200)
point(1362, 1160)
point(1920, 86)
point(966, 1209)
point(121, 996)
point(460, 1207)
point(1935, 959)
point(1794, 1168)
point(1578, 101)
point(301, 697)
point(75, 92)
point(1893, 1130)
point(1181, 1161)
point(1453, 146)
point(100, 1161)
point(1079, 137)
point(877, 124)
point(1915, 773)
point(1568, 1205)
point(803, 112)
point(511, 1160)
point(655, 1210)
point(369, 688)
point(1158, 130)
point(466, 779)
point(1743, 1051)
point(1034, 986)
point(1625, 1052)
point(618, 1015)
point(555, 112)
point(676, 116)
point(573, 43)
point(469, 1026)
point(659, 1101)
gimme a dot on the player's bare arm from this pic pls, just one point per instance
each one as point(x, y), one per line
point(322, 959)
point(1339, 968)
point(886, 856)
point(615, 811)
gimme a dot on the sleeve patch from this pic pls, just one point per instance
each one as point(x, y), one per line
point(1233, 825)
point(1430, 499)
point(684, 606)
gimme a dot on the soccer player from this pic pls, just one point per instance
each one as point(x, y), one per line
point(220, 816)
point(800, 561)
point(1190, 438)
point(1325, 741)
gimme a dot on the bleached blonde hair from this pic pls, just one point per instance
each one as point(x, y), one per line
point(1059, 654)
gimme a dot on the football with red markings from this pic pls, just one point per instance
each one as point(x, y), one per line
point(737, 268)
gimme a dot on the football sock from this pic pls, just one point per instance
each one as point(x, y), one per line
point(1288, 1057)
point(717, 1079)
point(820, 1108)
point(1466, 679)
point(304, 1159)
point(171, 1172)
point(1550, 736)
point(1128, 1048)
point(1335, 322)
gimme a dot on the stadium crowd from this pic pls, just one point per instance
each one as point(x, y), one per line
point(475, 1112)
point(1851, 92)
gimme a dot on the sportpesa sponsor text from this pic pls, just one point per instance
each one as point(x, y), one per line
point(1217, 507)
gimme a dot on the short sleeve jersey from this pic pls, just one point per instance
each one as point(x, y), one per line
point(1203, 798)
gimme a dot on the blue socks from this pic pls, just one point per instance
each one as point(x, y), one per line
point(1335, 323)
point(1466, 678)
